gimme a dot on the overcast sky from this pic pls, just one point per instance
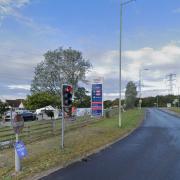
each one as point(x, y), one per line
point(151, 39)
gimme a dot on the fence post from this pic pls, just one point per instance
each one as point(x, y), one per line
point(53, 126)
point(28, 133)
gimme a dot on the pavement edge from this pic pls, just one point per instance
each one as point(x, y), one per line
point(172, 113)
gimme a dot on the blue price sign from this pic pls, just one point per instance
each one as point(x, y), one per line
point(97, 100)
point(21, 149)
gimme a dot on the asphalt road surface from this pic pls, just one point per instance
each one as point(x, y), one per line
point(152, 152)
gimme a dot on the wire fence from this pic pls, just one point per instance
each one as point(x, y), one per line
point(37, 130)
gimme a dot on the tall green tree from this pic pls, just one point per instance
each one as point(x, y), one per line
point(130, 95)
point(3, 107)
point(162, 100)
point(42, 99)
point(59, 67)
point(108, 104)
point(81, 99)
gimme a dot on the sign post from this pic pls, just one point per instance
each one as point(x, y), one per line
point(140, 103)
point(62, 123)
point(18, 123)
point(97, 99)
point(17, 159)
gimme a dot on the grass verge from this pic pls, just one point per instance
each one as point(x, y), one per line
point(175, 109)
point(47, 153)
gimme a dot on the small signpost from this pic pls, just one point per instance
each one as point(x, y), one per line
point(97, 98)
point(140, 103)
point(17, 123)
point(20, 151)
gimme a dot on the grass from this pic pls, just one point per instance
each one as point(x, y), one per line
point(175, 109)
point(36, 130)
point(47, 153)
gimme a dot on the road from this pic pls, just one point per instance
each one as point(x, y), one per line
point(152, 152)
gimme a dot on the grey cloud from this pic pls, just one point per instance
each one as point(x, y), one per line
point(17, 63)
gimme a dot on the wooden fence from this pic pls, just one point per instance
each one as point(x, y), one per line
point(37, 130)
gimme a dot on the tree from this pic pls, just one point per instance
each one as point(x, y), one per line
point(108, 104)
point(162, 100)
point(61, 66)
point(81, 99)
point(3, 107)
point(115, 102)
point(41, 99)
point(130, 95)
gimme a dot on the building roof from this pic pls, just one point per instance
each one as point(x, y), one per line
point(14, 103)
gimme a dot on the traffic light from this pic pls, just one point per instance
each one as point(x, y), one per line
point(67, 95)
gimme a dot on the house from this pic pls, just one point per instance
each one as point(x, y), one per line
point(16, 104)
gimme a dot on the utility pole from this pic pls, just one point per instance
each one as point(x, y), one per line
point(120, 56)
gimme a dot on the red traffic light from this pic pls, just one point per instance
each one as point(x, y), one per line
point(67, 95)
point(68, 89)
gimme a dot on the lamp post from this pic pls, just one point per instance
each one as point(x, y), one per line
point(179, 97)
point(120, 55)
point(140, 86)
point(157, 98)
point(157, 101)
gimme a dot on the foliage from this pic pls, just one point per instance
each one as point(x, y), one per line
point(130, 95)
point(81, 99)
point(3, 107)
point(175, 109)
point(162, 100)
point(60, 66)
point(41, 99)
point(108, 104)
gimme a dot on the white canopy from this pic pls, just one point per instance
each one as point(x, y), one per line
point(56, 111)
point(38, 111)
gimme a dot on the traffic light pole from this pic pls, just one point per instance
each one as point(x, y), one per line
point(62, 121)
point(66, 102)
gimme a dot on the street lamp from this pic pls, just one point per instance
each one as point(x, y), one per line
point(157, 101)
point(120, 55)
point(157, 98)
point(178, 97)
point(140, 85)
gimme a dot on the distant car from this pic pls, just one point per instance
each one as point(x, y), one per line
point(8, 115)
point(27, 115)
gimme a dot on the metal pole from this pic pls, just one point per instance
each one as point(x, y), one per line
point(179, 97)
point(62, 123)
point(140, 86)
point(140, 89)
point(120, 53)
point(17, 159)
point(120, 57)
point(157, 101)
point(11, 114)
